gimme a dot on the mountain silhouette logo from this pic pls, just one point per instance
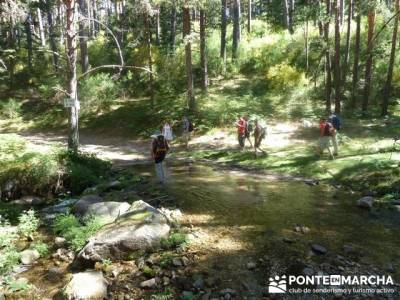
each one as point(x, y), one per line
point(277, 285)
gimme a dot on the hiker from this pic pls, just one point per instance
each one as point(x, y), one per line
point(249, 129)
point(241, 131)
point(167, 132)
point(159, 149)
point(187, 129)
point(337, 125)
point(326, 133)
point(259, 135)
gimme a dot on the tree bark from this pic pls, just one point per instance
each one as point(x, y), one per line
point(347, 49)
point(147, 34)
point(236, 28)
point(223, 29)
point(249, 8)
point(28, 29)
point(368, 64)
point(328, 75)
point(291, 12)
point(203, 50)
point(83, 37)
point(173, 26)
point(337, 58)
point(41, 29)
point(188, 57)
point(52, 35)
point(158, 25)
point(286, 13)
point(356, 62)
point(73, 137)
point(388, 84)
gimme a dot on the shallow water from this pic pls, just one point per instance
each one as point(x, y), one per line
point(270, 209)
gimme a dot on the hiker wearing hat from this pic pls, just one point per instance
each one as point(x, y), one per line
point(159, 149)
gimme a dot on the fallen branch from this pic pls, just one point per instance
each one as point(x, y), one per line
point(113, 67)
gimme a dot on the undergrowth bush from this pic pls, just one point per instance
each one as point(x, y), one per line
point(74, 231)
point(11, 109)
point(33, 173)
point(28, 223)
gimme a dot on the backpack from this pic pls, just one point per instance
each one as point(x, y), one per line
point(336, 122)
point(263, 132)
point(161, 147)
point(190, 128)
point(249, 127)
point(328, 130)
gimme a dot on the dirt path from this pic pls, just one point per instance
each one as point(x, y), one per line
point(122, 151)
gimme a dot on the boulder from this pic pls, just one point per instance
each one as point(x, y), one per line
point(141, 228)
point(81, 206)
point(29, 256)
point(107, 210)
point(86, 285)
point(59, 242)
point(318, 249)
point(365, 202)
point(60, 208)
point(54, 274)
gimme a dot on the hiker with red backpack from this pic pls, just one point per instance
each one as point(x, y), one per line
point(326, 133)
point(159, 149)
point(241, 126)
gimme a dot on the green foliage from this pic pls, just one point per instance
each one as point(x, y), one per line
point(9, 257)
point(11, 145)
point(167, 294)
point(149, 272)
point(28, 223)
point(11, 109)
point(174, 240)
point(98, 92)
point(42, 248)
point(74, 231)
point(283, 77)
point(14, 285)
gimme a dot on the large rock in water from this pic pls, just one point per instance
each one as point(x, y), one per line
point(86, 285)
point(107, 210)
point(141, 228)
point(365, 202)
point(82, 205)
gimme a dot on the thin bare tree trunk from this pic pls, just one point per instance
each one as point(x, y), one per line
point(52, 37)
point(73, 137)
point(149, 56)
point(223, 32)
point(236, 28)
point(286, 13)
point(188, 57)
point(249, 6)
point(28, 29)
point(368, 64)
point(328, 79)
point(41, 29)
point(388, 84)
point(173, 26)
point(83, 37)
point(337, 58)
point(356, 62)
point(291, 12)
point(203, 50)
point(347, 49)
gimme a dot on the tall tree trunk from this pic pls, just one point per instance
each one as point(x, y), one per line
point(173, 26)
point(337, 58)
point(28, 29)
point(286, 13)
point(388, 84)
point(236, 28)
point(354, 88)
point(368, 64)
point(52, 35)
point(203, 50)
point(249, 8)
point(158, 26)
point(328, 74)
point(147, 34)
point(291, 12)
point(188, 57)
point(41, 29)
point(95, 25)
point(83, 37)
point(224, 7)
point(341, 10)
point(347, 49)
point(73, 137)
point(61, 22)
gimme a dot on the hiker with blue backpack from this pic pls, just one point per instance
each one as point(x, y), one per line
point(337, 124)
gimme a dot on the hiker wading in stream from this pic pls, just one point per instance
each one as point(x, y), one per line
point(159, 149)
